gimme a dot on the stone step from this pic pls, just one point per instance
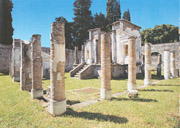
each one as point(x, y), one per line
point(77, 76)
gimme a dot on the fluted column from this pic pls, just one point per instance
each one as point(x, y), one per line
point(57, 69)
point(105, 66)
point(36, 63)
point(166, 64)
point(132, 64)
point(173, 65)
point(148, 76)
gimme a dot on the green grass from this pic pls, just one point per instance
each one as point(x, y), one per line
point(72, 84)
point(156, 107)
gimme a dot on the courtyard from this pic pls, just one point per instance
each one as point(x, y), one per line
point(156, 106)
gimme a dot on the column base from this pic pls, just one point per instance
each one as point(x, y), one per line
point(35, 94)
point(57, 107)
point(131, 86)
point(16, 79)
point(147, 82)
point(106, 94)
point(133, 94)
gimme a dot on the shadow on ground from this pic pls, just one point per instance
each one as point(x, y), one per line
point(134, 99)
point(154, 90)
point(72, 102)
point(96, 116)
point(140, 76)
point(167, 85)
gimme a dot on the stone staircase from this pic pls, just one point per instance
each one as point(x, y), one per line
point(77, 75)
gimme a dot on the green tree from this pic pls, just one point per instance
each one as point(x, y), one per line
point(83, 21)
point(68, 32)
point(126, 15)
point(113, 11)
point(160, 34)
point(100, 21)
point(6, 29)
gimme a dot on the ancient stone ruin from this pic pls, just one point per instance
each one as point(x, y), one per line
point(58, 99)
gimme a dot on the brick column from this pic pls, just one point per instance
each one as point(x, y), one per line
point(132, 64)
point(166, 65)
point(148, 77)
point(57, 69)
point(82, 54)
point(114, 46)
point(75, 55)
point(173, 65)
point(36, 62)
point(105, 66)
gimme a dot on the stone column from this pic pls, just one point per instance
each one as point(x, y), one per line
point(57, 69)
point(166, 65)
point(96, 52)
point(173, 65)
point(159, 66)
point(132, 64)
point(148, 77)
point(16, 60)
point(105, 66)
point(82, 54)
point(114, 46)
point(36, 70)
point(22, 68)
point(75, 55)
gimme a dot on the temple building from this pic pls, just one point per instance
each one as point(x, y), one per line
point(122, 30)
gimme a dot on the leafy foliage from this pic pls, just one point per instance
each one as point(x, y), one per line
point(6, 29)
point(83, 21)
point(100, 21)
point(160, 34)
point(126, 15)
point(113, 12)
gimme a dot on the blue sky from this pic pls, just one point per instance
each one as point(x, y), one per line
point(35, 16)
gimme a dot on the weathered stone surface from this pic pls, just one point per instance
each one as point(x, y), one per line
point(57, 69)
point(36, 70)
point(25, 69)
point(82, 54)
point(148, 77)
point(105, 66)
point(132, 64)
point(16, 50)
point(166, 64)
point(76, 55)
point(173, 65)
point(5, 57)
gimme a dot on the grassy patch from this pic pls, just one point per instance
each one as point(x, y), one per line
point(156, 107)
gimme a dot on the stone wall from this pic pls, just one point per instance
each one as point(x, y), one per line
point(5, 55)
point(70, 57)
point(159, 48)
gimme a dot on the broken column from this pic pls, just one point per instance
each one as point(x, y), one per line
point(57, 69)
point(82, 54)
point(148, 77)
point(173, 65)
point(36, 62)
point(25, 69)
point(166, 65)
point(75, 55)
point(105, 66)
point(159, 66)
point(132, 64)
point(16, 50)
